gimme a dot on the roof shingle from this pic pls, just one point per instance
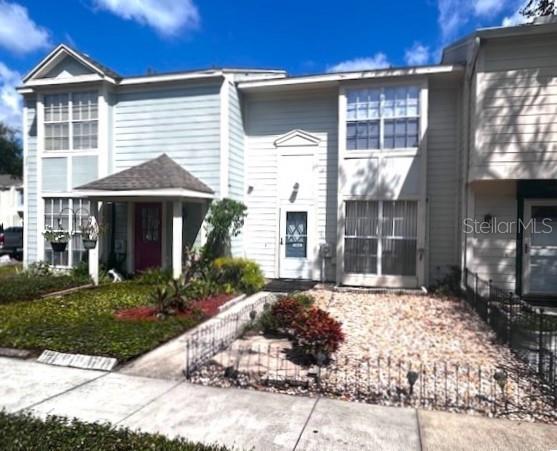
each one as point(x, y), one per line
point(159, 173)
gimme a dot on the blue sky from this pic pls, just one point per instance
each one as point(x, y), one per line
point(303, 36)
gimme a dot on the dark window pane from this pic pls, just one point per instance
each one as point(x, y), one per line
point(296, 234)
point(399, 257)
point(360, 255)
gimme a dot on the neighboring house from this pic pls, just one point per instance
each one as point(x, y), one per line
point(11, 201)
point(363, 178)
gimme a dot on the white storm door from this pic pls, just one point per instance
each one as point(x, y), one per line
point(539, 248)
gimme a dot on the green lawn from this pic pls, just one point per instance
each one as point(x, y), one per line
point(9, 270)
point(83, 322)
point(22, 432)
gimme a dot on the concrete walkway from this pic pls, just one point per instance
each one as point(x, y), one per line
point(250, 419)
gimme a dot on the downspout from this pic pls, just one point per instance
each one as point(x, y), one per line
point(469, 103)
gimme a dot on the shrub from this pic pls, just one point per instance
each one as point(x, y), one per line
point(36, 282)
point(241, 274)
point(316, 332)
point(286, 312)
point(306, 300)
point(155, 276)
point(24, 432)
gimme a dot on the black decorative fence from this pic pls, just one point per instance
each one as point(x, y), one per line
point(503, 392)
point(218, 334)
point(530, 332)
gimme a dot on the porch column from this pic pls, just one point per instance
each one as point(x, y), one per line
point(177, 223)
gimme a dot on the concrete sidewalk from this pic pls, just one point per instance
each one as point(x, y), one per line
point(250, 419)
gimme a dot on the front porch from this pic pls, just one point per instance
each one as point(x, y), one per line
point(149, 213)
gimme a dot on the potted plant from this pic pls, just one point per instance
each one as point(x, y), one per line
point(90, 233)
point(58, 238)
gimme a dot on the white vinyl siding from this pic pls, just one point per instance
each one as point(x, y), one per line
point(493, 255)
point(268, 117)
point(31, 177)
point(182, 121)
point(443, 179)
point(516, 110)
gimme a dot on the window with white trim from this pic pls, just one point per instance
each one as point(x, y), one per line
point(71, 121)
point(58, 215)
point(380, 237)
point(382, 118)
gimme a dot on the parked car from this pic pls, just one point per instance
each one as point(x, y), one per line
point(11, 242)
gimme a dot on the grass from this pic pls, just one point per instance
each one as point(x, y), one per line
point(83, 322)
point(9, 270)
point(21, 432)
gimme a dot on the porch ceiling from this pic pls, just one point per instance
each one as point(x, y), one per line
point(161, 177)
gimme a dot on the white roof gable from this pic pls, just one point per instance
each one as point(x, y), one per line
point(297, 138)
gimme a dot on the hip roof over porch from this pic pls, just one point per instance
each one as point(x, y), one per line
point(159, 178)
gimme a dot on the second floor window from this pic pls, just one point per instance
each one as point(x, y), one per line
point(71, 121)
point(382, 118)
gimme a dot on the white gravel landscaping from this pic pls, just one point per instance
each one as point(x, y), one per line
point(387, 335)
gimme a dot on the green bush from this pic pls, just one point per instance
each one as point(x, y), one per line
point(240, 273)
point(155, 276)
point(225, 220)
point(25, 286)
point(22, 432)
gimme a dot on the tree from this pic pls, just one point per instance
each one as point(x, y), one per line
point(538, 8)
point(225, 220)
point(11, 160)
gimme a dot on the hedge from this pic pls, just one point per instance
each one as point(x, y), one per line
point(22, 432)
point(23, 287)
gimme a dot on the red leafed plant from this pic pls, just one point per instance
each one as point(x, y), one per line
point(286, 312)
point(316, 332)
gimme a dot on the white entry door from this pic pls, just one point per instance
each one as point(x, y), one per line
point(296, 243)
point(540, 247)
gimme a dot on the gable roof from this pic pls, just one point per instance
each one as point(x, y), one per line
point(62, 50)
point(297, 137)
point(157, 174)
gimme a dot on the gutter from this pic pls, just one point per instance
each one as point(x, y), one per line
point(468, 102)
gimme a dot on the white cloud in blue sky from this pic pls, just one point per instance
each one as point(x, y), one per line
point(18, 33)
point(417, 55)
point(10, 100)
point(167, 17)
point(377, 61)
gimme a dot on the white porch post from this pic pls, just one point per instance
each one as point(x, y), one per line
point(177, 223)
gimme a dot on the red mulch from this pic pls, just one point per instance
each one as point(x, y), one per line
point(208, 307)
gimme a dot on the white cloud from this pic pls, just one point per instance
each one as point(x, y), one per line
point(10, 100)
point(454, 14)
point(168, 17)
point(488, 8)
point(377, 61)
point(515, 19)
point(18, 32)
point(417, 55)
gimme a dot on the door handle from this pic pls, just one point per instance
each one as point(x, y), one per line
point(281, 243)
point(526, 248)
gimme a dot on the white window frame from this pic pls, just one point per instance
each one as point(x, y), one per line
point(70, 121)
point(74, 204)
point(344, 153)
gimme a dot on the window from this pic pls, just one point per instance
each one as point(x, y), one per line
point(380, 237)
point(382, 118)
point(71, 121)
point(58, 215)
point(296, 234)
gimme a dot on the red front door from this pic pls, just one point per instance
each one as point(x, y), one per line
point(148, 240)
